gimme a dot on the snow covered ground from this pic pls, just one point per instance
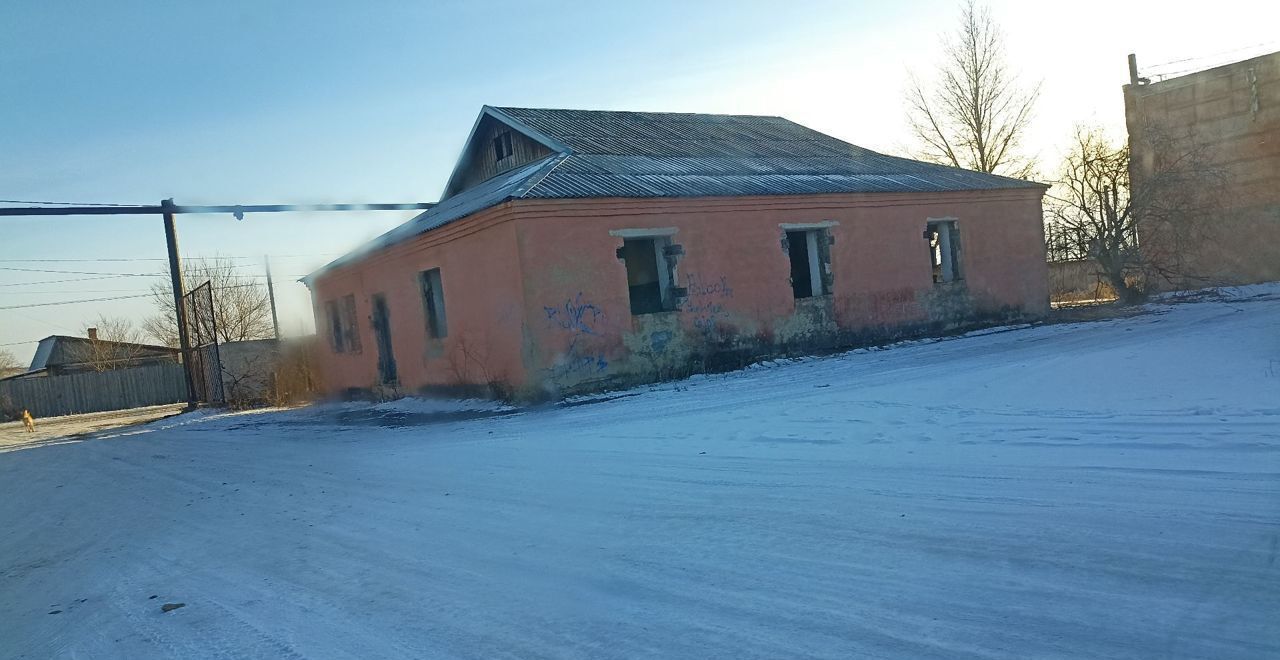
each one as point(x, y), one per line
point(1109, 489)
point(59, 429)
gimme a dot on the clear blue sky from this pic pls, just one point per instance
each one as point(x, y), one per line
point(261, 102)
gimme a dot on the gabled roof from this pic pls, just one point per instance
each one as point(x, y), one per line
point(665, 154)
point(63, 350)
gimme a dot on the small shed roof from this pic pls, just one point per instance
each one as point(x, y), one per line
point(62, 350)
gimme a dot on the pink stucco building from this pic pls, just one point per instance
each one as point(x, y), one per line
point(576, 250)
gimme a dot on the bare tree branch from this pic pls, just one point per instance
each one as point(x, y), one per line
point(242, 308)
point(1139, 232)
point(9, 363)
point(975, 114)
point(113, 343)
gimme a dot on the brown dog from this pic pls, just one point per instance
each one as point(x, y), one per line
point(28, 421)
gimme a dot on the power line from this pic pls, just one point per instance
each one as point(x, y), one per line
point(84, 272)
point(21, 343)
point(59, 293)
point(111, 277)
point(45, 322)
point(1211, 55)
point(74, 279)
point(195, 258)
point(27, 261)
point(76, 272)
point(75, 302)
point(110, 298)
point(238, 210)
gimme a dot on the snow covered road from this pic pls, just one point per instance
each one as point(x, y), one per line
point(1101, 490)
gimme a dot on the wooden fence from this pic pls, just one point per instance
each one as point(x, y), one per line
point(119, 389)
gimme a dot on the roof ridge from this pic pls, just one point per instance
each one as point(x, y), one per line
point(506, 108)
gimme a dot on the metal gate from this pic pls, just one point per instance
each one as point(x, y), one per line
point(202, 331)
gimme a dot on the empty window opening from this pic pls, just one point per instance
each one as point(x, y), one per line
point(502, 145)
point(810, 263)
point(335, 327)
point(382, 338)
point(350, 330)
point(650, 264)
point(944, 250)
point(433, 303)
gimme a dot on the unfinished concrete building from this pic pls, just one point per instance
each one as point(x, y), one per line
point(1233, 112)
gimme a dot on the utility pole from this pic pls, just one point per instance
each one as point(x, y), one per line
point(175, 274)
point(168, 209)
point(271, 293)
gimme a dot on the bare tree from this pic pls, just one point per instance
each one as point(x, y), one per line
point(1140, 232)
point(113, 343)
point(9, 363)
point(975, 114)
point(241, 306)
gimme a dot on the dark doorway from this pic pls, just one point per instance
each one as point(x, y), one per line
point(644, 279)
point(382, 333)
point(801, 269)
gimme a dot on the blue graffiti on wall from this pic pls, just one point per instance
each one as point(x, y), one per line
point(575, 315)
point(578, 363)
point(579, 318)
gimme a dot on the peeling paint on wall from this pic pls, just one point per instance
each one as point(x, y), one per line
point(813, 323)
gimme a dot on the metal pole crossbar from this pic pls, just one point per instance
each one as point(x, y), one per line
point(238, 210)
point(168, 209)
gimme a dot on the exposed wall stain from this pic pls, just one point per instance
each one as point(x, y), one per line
point(706, 333)
point(659, 340)
point(813, 322)
point(949, 304)
point(893, 306)
point(658, 345)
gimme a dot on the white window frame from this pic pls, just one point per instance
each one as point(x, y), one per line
point(661, 237)
point(811, 229)
point(948, 258)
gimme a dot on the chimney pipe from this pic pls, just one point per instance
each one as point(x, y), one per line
point(1133, 69)
point(93, 334)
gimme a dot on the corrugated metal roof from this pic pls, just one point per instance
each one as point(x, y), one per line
point(678, 134)
point(661, 154)
point(593, 175)
point(656, 154)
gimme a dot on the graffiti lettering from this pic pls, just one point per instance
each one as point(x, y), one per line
point(704, 303)
point(699, 287)
point(580, 319)
point(576, 363)
point(575, 315)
